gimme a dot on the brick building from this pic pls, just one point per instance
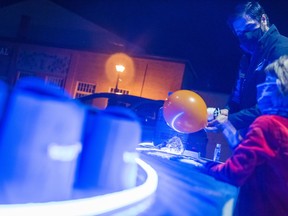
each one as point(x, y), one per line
point(46, 40)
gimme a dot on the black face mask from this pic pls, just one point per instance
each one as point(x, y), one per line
point(249, 40)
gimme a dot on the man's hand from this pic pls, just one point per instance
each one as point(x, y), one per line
point(215, 124)
point(224, 112)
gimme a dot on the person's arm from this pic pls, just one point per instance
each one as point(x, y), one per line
point(240, 120)
point(251, 152)
point(222, 124)
point(244, 118)
point(231, 134)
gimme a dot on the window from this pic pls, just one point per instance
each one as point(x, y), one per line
point(119, 91)
point(84, 89)
point(24, 74)
point(58, 81)
point(55, 80)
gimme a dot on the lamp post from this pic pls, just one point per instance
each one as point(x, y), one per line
point(119, 69)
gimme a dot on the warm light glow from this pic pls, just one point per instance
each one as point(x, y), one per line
point(120, 68)
point(92, 205)
point(123, 59)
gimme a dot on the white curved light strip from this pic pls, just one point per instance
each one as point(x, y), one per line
point(92, 205)
point(174, 120)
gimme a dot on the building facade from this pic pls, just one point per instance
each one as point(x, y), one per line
point(85, 72)
point(46, 40)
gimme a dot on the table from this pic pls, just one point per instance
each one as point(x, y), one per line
point(184, 190)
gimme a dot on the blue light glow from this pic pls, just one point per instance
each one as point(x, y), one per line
point(92, 205)
point(64, 152)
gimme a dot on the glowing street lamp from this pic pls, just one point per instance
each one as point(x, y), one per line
point(119, 68)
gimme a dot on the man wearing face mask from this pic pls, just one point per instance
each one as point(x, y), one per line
point(261, 44)
point(259, 163)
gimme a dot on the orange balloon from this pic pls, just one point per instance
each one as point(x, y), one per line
point(185, 111)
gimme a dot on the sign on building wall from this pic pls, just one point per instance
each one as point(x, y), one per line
point(43, 62)
point(5, 59)
point(4, 51)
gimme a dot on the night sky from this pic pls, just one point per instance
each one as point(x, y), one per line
point(181, 29)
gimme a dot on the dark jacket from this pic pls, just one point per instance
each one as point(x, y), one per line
point(243, 100)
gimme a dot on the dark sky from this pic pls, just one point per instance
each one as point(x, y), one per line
point(193, 30)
